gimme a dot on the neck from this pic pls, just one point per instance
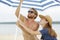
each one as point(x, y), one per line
point(30, 20)
point(44, 26)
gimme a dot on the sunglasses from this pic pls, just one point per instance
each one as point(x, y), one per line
point(30, 12)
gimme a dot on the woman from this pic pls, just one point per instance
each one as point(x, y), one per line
point(47, 32)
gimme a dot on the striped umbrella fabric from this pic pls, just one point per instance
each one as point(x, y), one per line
point(37, 4)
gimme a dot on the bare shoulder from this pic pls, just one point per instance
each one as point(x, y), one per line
point(36, 23)
point(36, 26)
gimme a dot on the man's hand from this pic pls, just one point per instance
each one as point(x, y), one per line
point(21, 1)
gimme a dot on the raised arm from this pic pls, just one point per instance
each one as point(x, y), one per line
point(29, 30)
point(17, 13)
point(18, 8)
point(20, 16)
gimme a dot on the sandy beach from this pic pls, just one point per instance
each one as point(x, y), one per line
point(14, 37)
point(9, 32)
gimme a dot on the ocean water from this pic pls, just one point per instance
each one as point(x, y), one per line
point(12, 32)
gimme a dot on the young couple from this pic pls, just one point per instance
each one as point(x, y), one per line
point(29, 26)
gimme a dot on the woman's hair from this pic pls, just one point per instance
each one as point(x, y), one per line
point(35, 12)
point(50, 30)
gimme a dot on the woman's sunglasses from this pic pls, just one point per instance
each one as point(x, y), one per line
point(30, 12)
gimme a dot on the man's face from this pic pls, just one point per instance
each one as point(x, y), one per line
point(31, 14)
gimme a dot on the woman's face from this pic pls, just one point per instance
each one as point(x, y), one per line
point(43, 22)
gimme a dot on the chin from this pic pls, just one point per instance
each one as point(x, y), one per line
point(30, 17)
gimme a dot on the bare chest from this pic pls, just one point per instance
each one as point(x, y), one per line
point(30, 24)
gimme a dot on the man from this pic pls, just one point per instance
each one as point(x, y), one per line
point(29, 22)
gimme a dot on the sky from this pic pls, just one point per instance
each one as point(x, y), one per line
point(44, 7)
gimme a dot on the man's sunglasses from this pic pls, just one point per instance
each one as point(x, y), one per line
point(30, 12)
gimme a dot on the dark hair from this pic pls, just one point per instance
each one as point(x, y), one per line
point(35, 12)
